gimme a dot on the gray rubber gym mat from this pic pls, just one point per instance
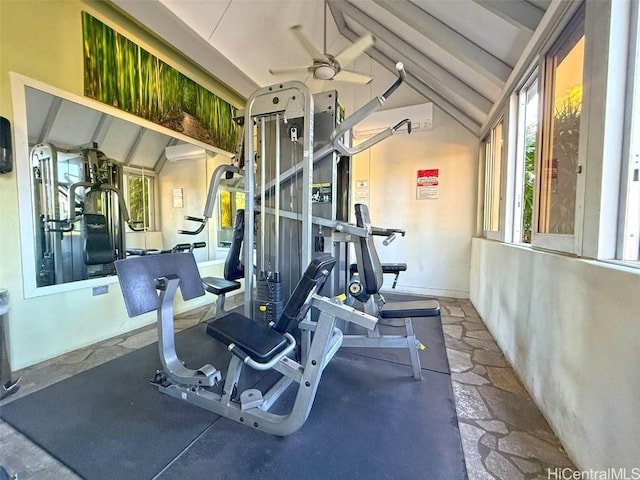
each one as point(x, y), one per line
point(369, 416)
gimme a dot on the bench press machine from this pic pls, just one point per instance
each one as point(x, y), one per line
point(251, 343)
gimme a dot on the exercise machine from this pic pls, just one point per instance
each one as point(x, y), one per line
point(394, 314)
point(297, 190)
point(251, 344)
point(355, 289)
point(79, 213)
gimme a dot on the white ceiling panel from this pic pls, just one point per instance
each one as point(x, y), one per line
point(39, 104)
point(149, 147)
point(201, 15)
point(484, 28)
point(118, 138)
point(74, 125)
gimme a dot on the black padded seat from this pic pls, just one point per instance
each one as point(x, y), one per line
point(255, 339)
point(412, 309)
point(219, 286)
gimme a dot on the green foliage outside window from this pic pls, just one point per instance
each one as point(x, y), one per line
point(139, 201)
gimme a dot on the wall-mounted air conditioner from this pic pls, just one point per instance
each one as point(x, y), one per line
point(421, 117)
point(184, 151)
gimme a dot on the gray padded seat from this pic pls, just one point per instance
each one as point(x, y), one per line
point(219, 286)
point(417, 308)
point(253, 338)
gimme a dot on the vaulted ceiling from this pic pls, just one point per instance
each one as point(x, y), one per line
point(458, 54)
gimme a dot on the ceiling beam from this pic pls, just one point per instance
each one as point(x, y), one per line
point(101, 128)
point(448, 39)
point(50, 119)
point(517, 12)
point(469, 109)
point(416, 84)
point(431, 95)
point(440, 79)
point(134, 146)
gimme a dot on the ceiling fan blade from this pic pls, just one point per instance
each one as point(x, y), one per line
point(353, 77)
point(307, 44)
point(350, 53)
point(288, 71)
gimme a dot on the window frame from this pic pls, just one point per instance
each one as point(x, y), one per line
point(490, 174)
point(567, 243)
point(151, 176)
point(628, 238)
point(517, 163)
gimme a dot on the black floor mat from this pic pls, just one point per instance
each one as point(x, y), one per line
point(110, 422)
point(370, 420)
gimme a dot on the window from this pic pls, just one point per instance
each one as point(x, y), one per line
point(231, 199)
point(492, 184)
point(629, 241)
point(525, 156)
point(139, 197)
point(559, 167)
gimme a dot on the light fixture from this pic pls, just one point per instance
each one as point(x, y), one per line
point(324, 72)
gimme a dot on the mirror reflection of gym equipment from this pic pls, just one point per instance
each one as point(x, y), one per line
point(80, 213)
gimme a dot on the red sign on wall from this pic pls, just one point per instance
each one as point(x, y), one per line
point(427, 184)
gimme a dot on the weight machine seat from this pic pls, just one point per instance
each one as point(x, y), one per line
point(415, 308)
point(386, 268)
point(255, 339)
point(259, 341)
point(219, 286)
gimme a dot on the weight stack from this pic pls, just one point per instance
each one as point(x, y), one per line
point(268, 305)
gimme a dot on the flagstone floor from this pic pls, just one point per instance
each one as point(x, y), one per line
point(504, 435)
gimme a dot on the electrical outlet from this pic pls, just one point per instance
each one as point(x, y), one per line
point(101, 290)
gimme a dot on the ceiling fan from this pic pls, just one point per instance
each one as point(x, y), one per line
point(326, 66)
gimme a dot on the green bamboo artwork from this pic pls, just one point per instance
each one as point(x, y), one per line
point(120, 73)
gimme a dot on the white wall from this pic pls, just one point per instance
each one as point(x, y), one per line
point(437, 246)
point(570, 329)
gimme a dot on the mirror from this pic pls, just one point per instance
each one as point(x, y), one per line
point(103, 183)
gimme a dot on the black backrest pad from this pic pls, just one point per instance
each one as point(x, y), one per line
point(137, 277)
point(298, 305)
point(98, 249)
point(233, 269)
point(371, 269)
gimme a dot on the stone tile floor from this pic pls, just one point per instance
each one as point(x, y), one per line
point(504, 435)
